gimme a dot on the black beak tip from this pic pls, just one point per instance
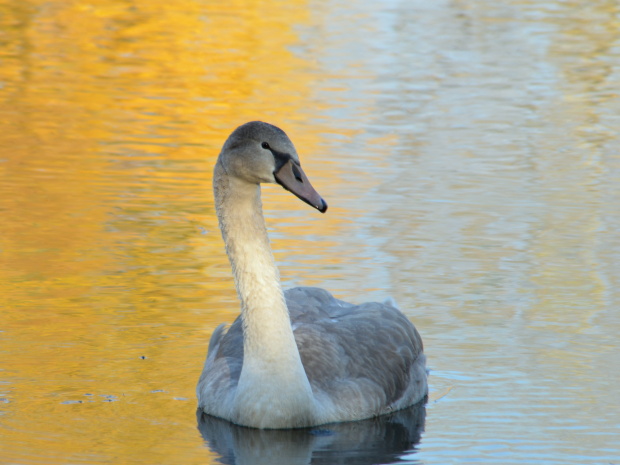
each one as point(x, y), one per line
point(323, 207)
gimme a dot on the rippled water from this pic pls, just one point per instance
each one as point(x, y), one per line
point(468, 151)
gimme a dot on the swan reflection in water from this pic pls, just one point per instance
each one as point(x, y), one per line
point(379, 440)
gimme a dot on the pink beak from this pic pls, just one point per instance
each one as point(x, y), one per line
point(293, 179)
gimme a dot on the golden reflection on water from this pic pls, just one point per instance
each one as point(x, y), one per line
point(487, 206)
point(115, 112)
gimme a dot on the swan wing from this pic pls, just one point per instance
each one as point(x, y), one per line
point(220, 374)
point(361, 360)
point(367, 358)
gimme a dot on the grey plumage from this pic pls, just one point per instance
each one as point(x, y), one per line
point(362, 355)
point(298, 358)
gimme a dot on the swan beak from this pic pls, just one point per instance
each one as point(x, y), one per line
point(293, 179)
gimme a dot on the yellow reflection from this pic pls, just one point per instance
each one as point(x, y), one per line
point(113, 266)
point(566, 248)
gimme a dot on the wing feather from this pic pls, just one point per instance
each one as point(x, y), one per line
point(355, 352)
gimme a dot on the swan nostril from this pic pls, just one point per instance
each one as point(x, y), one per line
point(297, 174)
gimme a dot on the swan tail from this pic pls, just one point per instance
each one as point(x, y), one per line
point(391, 302)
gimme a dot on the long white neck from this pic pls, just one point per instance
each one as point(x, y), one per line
point(273, 382)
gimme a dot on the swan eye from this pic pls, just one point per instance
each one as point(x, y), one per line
point(265, 145)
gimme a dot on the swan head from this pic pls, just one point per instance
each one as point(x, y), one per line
point(259, 152)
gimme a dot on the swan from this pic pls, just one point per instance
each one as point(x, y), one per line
point(298, 358)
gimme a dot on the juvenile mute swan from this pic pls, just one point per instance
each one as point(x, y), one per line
point(297, 358)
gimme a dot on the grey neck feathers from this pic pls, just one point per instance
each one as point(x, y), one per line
point(266, 322)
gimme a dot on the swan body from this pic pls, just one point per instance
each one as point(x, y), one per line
point(302, 357)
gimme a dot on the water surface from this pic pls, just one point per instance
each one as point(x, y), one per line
point(468, 152)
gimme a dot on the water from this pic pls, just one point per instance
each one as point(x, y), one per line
point(470, 157)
